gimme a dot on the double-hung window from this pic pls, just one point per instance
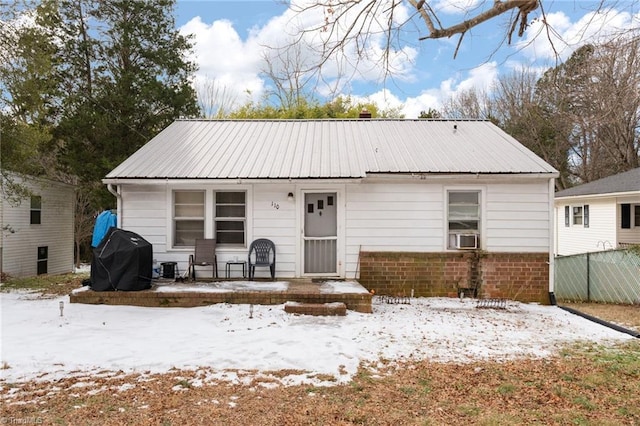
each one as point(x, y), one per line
point(36, 210)
point(188, 217)
point(579, 216)
point(463, 219)
point(230, 217)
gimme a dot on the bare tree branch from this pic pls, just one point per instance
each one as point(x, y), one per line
point(499, 7)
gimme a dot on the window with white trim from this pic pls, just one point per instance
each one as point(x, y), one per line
point(463, 219)
point(579, 216)
point(636, 215)
point(188, 217)
point(230, 217)
point(576, 215)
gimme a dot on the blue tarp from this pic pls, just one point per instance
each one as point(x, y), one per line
point(105, 221)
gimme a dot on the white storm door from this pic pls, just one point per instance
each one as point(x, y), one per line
point(320, 237)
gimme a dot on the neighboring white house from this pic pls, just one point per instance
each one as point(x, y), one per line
point(345, 198)
point(37, 229)
point(599, 215)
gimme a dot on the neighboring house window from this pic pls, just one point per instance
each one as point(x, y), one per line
point(463, 219)
point(36, 210)
point(567, 215)
point(636, 216)
point(577, 215)
point(188, 217)
point(625, 213)
point(585, 215)
point(43, 256)
point(230, 218)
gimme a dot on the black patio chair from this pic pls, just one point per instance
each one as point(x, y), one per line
point(204, 255)
point(262, 252)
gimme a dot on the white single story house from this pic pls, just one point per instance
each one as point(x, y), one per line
point(37, 228)
point(404, 206)
point(599, 215)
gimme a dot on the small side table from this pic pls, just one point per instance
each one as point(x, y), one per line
point(227, 269)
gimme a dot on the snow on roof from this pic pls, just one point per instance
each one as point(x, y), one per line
point(286, 149)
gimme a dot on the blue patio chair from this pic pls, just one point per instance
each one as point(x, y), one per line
point(262, 252)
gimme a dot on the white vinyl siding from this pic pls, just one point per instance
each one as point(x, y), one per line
point(517, 217)
point(145, 212)
point(21, 239)
point(412, 217)
point(599, 235)
point(275, 218)
point(630, 235)
point(406, 215)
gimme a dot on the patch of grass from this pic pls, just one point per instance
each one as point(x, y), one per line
point(408, 390)
point(425, 384)
point(584, 402)
point(186, 384)
point(469, 410)
point(506, 389)
point(45, 284)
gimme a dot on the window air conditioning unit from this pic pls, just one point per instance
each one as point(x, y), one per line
point(466, 241)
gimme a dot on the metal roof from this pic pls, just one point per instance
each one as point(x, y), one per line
point(284, 149)
point(628, 181)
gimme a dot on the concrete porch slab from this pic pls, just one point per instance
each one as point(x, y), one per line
point(190, 294)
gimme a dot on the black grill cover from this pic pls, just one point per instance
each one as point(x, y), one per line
point(122, 261)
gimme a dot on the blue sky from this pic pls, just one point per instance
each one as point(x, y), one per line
point(231, 36)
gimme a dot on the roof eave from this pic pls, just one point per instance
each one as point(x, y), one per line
point(599, 196)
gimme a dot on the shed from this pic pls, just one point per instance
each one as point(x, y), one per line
point(405, 206)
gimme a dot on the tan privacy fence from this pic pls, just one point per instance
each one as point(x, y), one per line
point(611, 276)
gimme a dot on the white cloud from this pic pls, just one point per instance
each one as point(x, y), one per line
point(456, 7)
point(562, 36)
point(239, 64)
point(480, 78)
point(222, 55)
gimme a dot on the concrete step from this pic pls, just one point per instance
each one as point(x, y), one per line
point(316, 309)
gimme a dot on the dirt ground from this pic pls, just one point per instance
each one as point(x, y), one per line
point(627, 316)
point(581, 386)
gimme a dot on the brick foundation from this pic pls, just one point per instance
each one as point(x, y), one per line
point(516, 276)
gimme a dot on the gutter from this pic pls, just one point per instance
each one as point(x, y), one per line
point(601, 322)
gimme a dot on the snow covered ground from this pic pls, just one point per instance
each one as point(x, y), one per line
point(37, 342)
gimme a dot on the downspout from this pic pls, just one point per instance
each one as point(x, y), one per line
point(116, 193)
point(552, 273)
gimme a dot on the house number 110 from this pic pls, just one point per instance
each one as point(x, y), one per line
point(275, 205)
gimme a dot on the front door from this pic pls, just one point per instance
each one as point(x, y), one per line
point(320, 233)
